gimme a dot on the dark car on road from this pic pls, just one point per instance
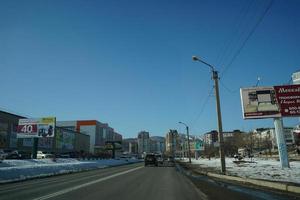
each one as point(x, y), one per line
point(150, 159)
point(13, 154)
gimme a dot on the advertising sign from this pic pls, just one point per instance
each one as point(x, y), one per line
point(271, 102)
point(259, 102)
point(288, 98)
point(37, 127)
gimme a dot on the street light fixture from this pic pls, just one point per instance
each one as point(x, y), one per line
point(215, 77)
point(188, 136)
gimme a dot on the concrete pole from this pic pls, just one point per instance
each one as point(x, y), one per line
point(189, 147)
point(282, 150)
point(220, 134)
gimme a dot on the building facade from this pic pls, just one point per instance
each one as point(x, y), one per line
point(8, 130)
point(172, 143)
point(143, 142)
point(130, 146)
point(211, 138)
point(63, 141)
point(157, 144)
point(99, 132)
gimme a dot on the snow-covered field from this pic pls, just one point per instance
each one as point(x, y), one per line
point(267, 169)
point(15, 170)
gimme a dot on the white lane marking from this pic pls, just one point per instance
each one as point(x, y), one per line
point(84, 185)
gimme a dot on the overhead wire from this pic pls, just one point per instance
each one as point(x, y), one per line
point(241, 17)
point(237, 53)
point(242, 33)
point(202, 107)
point(228, 89)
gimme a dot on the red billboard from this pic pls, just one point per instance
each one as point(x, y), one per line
point(288, 99)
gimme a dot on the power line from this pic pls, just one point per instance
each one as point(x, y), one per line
point(202, 107)
point(248, 36)
point(228, 89)
point(241, 34)
point(243, 13)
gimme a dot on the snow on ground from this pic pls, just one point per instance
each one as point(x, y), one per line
point(267, 169)
point(15, 170)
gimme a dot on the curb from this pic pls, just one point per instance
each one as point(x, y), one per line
point(273, 185)
point(286, 187)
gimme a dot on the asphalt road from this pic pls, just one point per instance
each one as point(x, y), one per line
point(128, 182)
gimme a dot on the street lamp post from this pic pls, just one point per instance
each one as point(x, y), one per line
point(188, 136)
point(215, 77)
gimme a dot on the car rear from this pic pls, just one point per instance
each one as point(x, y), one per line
point(150, 160)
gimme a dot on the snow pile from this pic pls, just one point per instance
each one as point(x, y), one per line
point(267, 169)
point(15, 170)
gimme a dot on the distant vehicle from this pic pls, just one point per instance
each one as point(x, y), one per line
point(159, 159)
point(65, 155)
point(124, 157)
point(25, 154)
point(40, 155)
point(150, 159)
point(49, 155)
point(170, 159)
point(13, 155)
point(2, 155)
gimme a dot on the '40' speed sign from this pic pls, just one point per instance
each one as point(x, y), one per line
point(27, 128)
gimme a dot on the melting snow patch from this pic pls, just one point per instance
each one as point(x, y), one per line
point(14, 170)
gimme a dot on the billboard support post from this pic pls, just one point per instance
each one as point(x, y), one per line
point(35, 147)
point(282, 150)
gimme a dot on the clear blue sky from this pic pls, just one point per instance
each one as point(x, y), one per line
point(129, 63)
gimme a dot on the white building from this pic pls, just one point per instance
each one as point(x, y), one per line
point(270, 135)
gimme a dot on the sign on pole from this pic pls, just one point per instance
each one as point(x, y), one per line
point(288, 98)
point(36, 127)
point(259, 102)
point(272, 102)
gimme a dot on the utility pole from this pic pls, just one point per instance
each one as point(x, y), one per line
point(215, 77)
point(189, 147)
point(220, 128)
point(188, 140)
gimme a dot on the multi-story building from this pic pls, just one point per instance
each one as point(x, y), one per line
point(172, 143)
point(296, 77)
point(270, 135)
point(99, 132)
point(296, 133)
point(211, 138)
point(64, 140)
point(157, 144)
point(143, 142)
point(130, 146)
point(8, 130)
point(265, 138)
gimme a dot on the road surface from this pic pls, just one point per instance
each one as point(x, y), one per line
point(127, 182)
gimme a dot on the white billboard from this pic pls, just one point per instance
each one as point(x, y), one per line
point(36, 127)
point(259, 102)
